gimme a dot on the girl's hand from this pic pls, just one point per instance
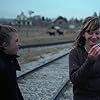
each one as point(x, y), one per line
point(94, 52)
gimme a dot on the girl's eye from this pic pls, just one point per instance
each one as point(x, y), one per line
point(16, 40)
point(97, 33)
point(90, 33)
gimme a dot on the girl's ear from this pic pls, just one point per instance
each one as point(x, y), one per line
point(83, 35)
point(4, 45)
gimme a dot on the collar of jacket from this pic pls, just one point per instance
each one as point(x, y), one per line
point(2, 54)
point(11, 58)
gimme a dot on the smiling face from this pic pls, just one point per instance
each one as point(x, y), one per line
point(92, 37)
point(13, 45)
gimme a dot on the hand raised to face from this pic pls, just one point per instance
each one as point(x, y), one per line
point(94, 52)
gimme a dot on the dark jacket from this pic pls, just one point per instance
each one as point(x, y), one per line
point(84, 72)
point(9, 89)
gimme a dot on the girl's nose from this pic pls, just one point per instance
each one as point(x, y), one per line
point(94, 36)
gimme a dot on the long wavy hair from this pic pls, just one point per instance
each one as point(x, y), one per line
point(89, 24)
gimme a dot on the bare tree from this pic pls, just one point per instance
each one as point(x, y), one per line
point(95, 14)
point(30, 12)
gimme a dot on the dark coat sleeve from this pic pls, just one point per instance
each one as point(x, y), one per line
point(79, 73)
point(2, 80)
point(19, 94)
point(2, 72)
point(8, 84)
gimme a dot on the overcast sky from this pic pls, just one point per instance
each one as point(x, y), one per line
point(50, 8)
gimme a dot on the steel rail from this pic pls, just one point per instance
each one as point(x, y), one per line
point(41, 66)
point(61, 90)
point(45, 44)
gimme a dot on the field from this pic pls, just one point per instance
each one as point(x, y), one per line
point(39, 36)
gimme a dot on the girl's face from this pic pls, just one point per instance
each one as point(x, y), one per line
point(92, 37)
point(13, 46)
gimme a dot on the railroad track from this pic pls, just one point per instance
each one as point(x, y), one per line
point(45, 44)
point(58, 92)
point(61, 90)
point(65, 92)
point(42, 63)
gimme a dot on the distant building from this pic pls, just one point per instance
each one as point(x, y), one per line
point(71, 26)
point(60, 22)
